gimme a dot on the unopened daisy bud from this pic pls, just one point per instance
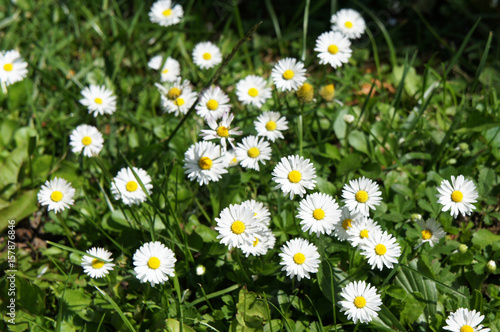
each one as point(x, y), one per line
point(348, 118)
point(463, 248)
point(463, 146)
point(200, 270)
point(491, 266)
point(306, 93)
point(452, 161)
point(327, 92)
point(416, 216)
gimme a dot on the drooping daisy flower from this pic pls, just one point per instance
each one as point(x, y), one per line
point(361, 195)
point(361, 301)
point(163, 13)
point(251, 151)
point(334, 49)
point(431, 232)
point(360, 231)
point(381, 249)
point(294, 175)
point(464, 320)
point(299, 258)
point(12, 67)
point(87, 139)
point(318, 213)
point(126, 186)
point(253, 90)
point(206, 55)
point(236, 226)
point(457, 196)
point(347, 219)
point(289, 74)
point(349, 22)
point(270, 125)
point(213, 104)
point(264, 240)
point(57, 194)
point(99, 100)
point(203, 163)
point(154, 263)
point(171, 70)
point(97, 267)
point(221, 131)
point(230, 157)
point(260, 212)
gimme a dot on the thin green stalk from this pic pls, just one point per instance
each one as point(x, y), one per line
point(239, 25)
point(304, 30)
point(215, 294)
point(276, 24)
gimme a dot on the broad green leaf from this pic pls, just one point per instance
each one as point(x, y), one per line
point(484, 237)
point(359, 141)
point(22, 207)
point(252, 310)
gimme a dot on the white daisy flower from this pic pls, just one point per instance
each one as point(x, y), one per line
point(334, 49)
point(361, 195)
point(206, 55)
point(171, 70)
point(431, 232)
point(57, 194)
point(464, 320)
point(12, 67)
point(230, 157)
point(163, 13)
point(349, 22)
point(361, 230)
point(87, 139)
point(381, 249)
point(203, 163)
point(264, 240)
point(178, 101)
point(289, 74)
point(99, 100)
point(457, 196)
point(97, 267)
point(294, 175)
point(126, 186)
point(213, 104)
point(270, 125)
point(237, 226)
point(299, 258)
point(251, 151)
point(318, 213)
point(154, 263)
point(221, 130)
point(260, 212)
point(361, 301)
point(253, 90)
point(155, 62)
point(347, 219)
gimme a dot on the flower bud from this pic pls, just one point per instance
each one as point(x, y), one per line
point(416, 216)
point(491, 266)
point(306, 93)
point(463, 248)
point(327, 92)
point(200, 270)
point(349, 118)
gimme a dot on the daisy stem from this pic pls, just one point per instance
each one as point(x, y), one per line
point(356, 327)
point(249, 280)
point(301, 129)
point(66, 229)
point(306, 23)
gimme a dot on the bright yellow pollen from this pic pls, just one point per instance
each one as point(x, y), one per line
point(8, 67)
point(179, 102)
point(56, 196)
point(333, 49)
point(288, 74)
point(359, 302)
point(346, 223)
point(294, 176)
point(98, 101)
point(212, 104)
point(154, 263)
point(167, 12)
point(97, 264)
point(318, 214)
point(256, 242)
point(207, 56)
point(253, 152)
point(361, 196)
point(222, 131)
point(86, 140)
point(205, 163)
point(426, 234)
point(466, 328)
point(299, 258)
point(164, 71)
point(457, 196)
point(271, 125)
point(174, 93)
point(238, 227)
point(131, 186)
point(252, 92)
point(364, 233)
point(234, 161)
point(380, 249)
point(348, 24)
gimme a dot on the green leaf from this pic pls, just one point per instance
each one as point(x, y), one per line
point(252, 311)
point(359, 141)
point(484, 237)
point(461, 259)
point(414, 306)
point(22, 207)
point(174, 325)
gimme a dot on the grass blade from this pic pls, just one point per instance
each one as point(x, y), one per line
point(116, 307)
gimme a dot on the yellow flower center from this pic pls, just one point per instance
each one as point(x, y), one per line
point(8, 67)
point(288, 74)
point(364, 233)
point(318, 214)
point(457, 196)
point(238, 227)
point(271, 125)
point(348, 24)
point(330, 88)
point(207, 56)
point(131, 186)
point(179, 102)
point(299, 258)
point(167, 12)
point(466, 328)
point(234, 161)
point(333, 49)
point(253, 152)
point(98, 101)
point(222, 131)
point(164, 71)
point(86, 140)
point(426, 234)
point(361, 196)
point(154, 263)
point(294, 176)
point(56, 196)
point(346, 223)
point(205, 163)
point(252, 92)
point(174, 93)
point(97, 263)
point(212, 104)
point(359, 302)
point(380, 249)
point(256, 242)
